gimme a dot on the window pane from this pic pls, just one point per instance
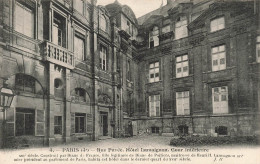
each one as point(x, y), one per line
point(222, 61)
point(185, 57)
point(178, 59)
point(258, 39)
point(166, 29)
point(156, 64)
point(152, 65)
point(216, 90)
point(216, 97)
point(221, 48)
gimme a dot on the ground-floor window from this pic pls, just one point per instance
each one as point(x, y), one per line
point(57, 124)
point(183, 129)
point(183, 103)
point(221, 130)
point(155, 130)
point(154, 105)
point(25, 120)
point(80, 123)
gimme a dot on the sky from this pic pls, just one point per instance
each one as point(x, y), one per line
point(140, 7)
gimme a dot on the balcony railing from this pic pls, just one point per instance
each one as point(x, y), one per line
point(58, 55)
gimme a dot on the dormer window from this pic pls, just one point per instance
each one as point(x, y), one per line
point(153, 37)
point(103, 23)
point(217, 24)
point(166, 29)
point(181, 30)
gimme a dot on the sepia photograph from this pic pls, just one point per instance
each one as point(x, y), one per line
point(130, 81)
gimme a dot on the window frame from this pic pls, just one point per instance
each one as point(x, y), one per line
point(61, 25)
point(27, 81)
point(216, 21)
point(79, 116)
point(77, 5)
point(218, 54)
point(82, 57)
point(183, 28)
point(25, 112)
point(58, 125)
point(183, 98)
point(103, 57)
point(152, 71)
point(154, 105)
point(30, 9)
point(258, 49)
point(216, 105)
point(182, 63)
point(154, 35)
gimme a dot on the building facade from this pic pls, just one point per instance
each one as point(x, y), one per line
point(85, 72)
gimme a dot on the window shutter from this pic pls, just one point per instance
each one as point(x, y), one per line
point(89, 123)
point(39, 125)
point(72, 121)
point(10, 122)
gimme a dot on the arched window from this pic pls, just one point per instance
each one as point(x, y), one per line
point(25, 83)
point(153, 37)
point(80, 94)
point(103, 23)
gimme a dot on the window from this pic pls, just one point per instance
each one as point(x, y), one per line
point(166, 29)
point(25, 120)
point(80, 120)
point(103, 57)
point(154, 72)
point(220, 99)
point(128, 70)
point(155, 130)
point(218, 58)
point(58, 83)
point(80, 94)
point(153, 37)
point(79, 46)
point(221, 130)
point(59, 30)
point(183, 103)
point(24, 20)
point(182, 66)
point(217, 24)
point(181, 30)
point(25, 83)
point(154, 105)
point(103, 23)
point(258, 49)
point(79, 6)
point(57, 124)
point(183, 129)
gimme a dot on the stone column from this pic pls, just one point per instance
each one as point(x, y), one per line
point(51, 105)
point(67, 108)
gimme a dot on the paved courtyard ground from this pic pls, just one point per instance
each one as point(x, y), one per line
point(90, 151)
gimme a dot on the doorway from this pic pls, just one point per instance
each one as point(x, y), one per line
point(104, 123)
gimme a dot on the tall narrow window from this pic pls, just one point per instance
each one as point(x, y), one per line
point(154, 72)
point(218, 58)
point(79, 6)
point(220, 99)
point(182, 66)
point(59, 30)
point(154, 105)
point(217, 24)
point(183, 103)
point(128, 70)
point(24, 20)
point(103, 23)
point(181, 30)
point(103, 57)
point(258, 49)
point(80, 121)
point(79, 46)
point(57, 124)
point(153, 37)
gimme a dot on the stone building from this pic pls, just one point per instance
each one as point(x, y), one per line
point(85, 72)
